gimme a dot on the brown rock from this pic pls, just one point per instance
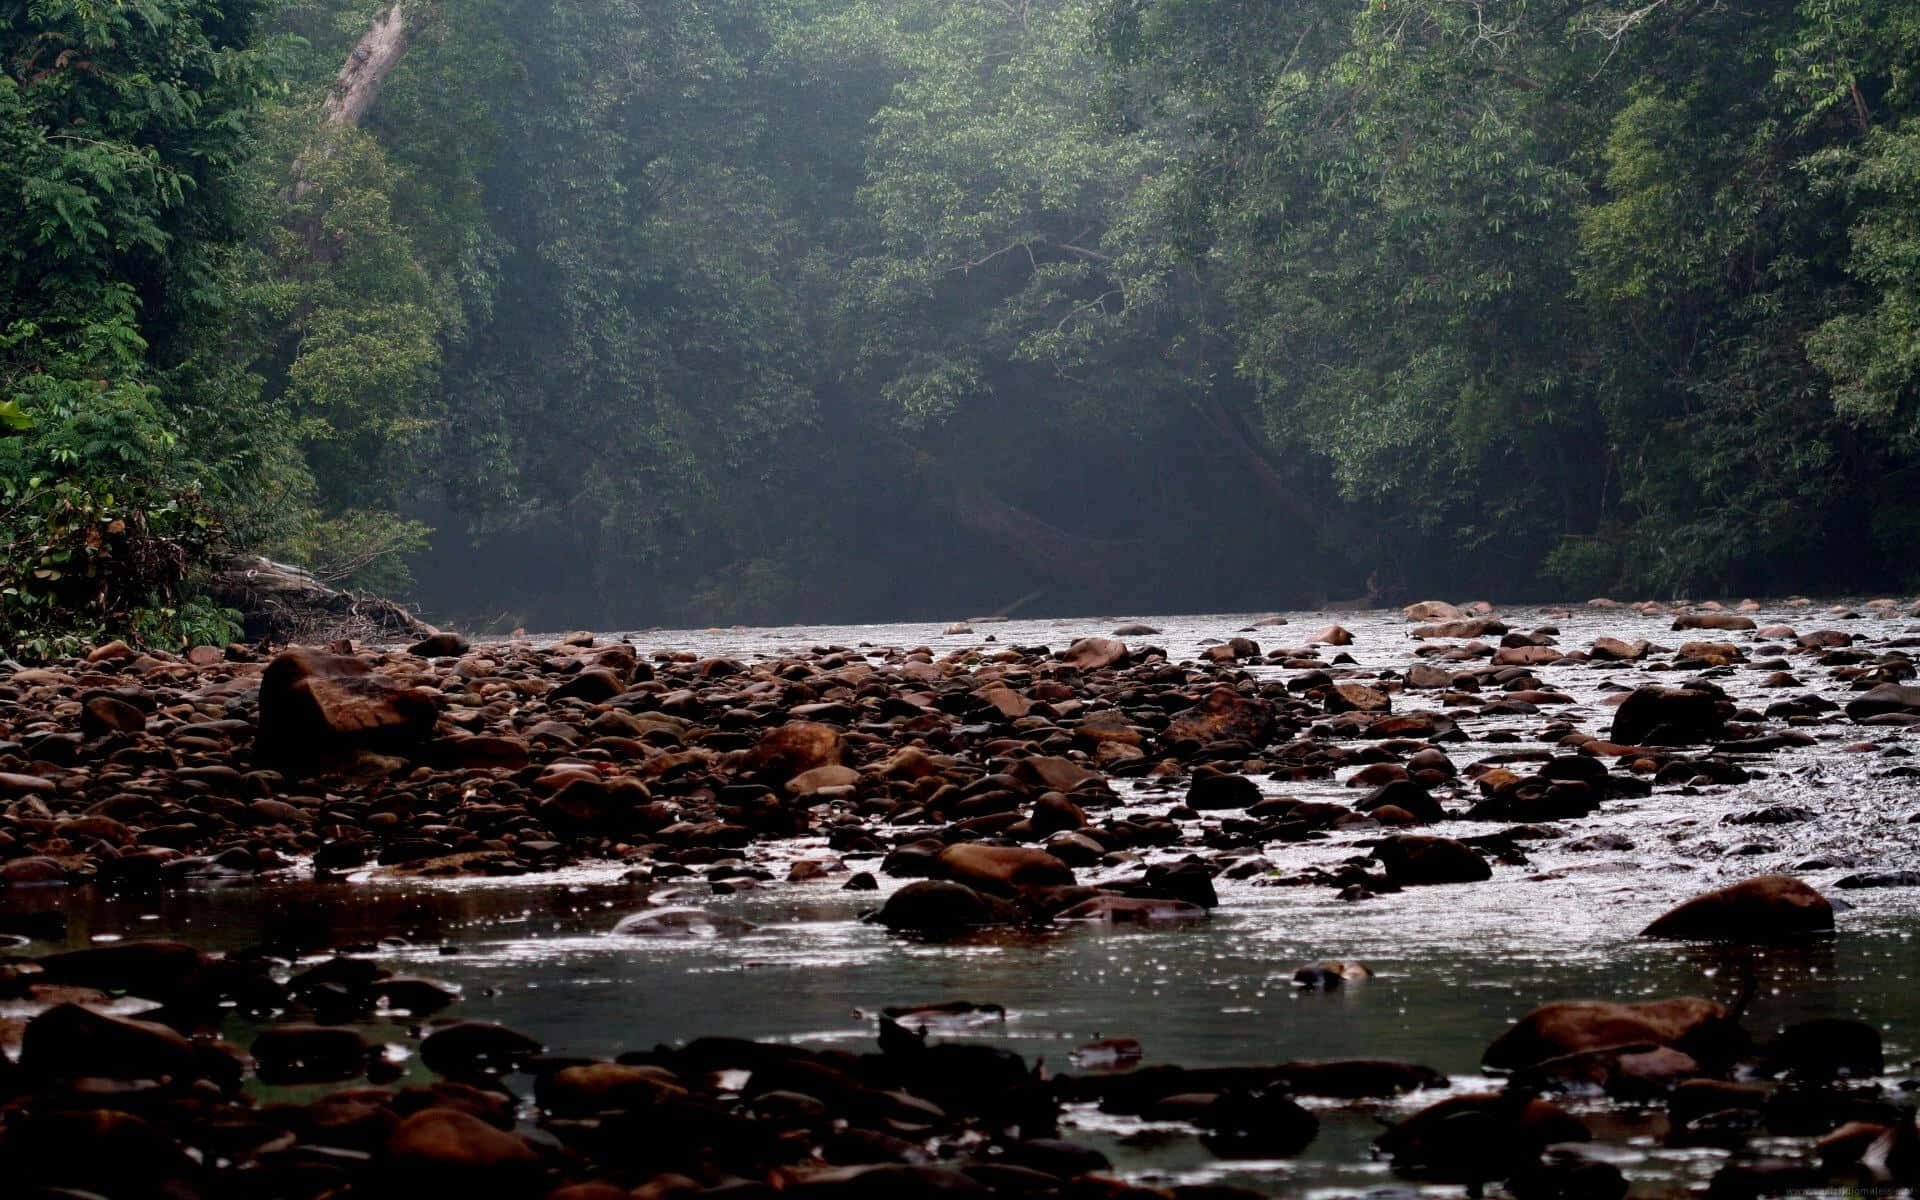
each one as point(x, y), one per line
point(1003, 870)
point(1347, 696)
point(1332, 635)
point(602, 1087)
point(806, 783)
point(439, 645)
point(1712, 620)
point(68, 1041)
point(154, 970)
point(1131, 910)
point(1763, 909)
point(309, 1054)
point(1417, 859)
point(34, 869)
point(1611, 649)
point(1054, 773)
point(103, 714)
point(1482, 627)
point(1699, 1027)
point(1007, 702)
point(942, 906)
point(1432, 610)
point(115, 651)
point(444, 1142)
point(315, 706)
point(797, 746)
point(1095, 653)
point(1653, 716)
point(1224, 715)
point(1526, 656)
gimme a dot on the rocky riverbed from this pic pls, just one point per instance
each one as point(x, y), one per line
point(1283, 827)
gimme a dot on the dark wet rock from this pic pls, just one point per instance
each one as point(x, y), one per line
point(1414, 859)
point(103, 714)
point(1706, 1030)
point(1763, 909)
point(470, 1049)
point(439, 645)
point(70, 1041)
point(1707, 772)
point(1131, 910)
point(1216, 790)
point(1826, 1048)
point(1655, 716)
point(1330, 975)
point(1773, 814)
point(156, 970)
point(1406, 795)
point(1568, 1177)
point(1885, 698)
point(1880, 879)
point(1264, 1124)
point(942, 906)
point(309, 1054)
point(445, 1146)
point(1478, 1138)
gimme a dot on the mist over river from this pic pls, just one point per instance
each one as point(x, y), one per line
point(1453, 965)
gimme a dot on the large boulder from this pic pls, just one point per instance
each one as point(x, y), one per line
point(1712, 620)
point(1766, 908)
point(448, 1147)
point(1699, 1027)
point(316, 706)
point(154, 970)
point(1001, 869)
point(1433, 610)
point(1477, 1138)
point(1219, 789)
point(1417, 859)
point(942, 906)
point(68, 1041)
point(1225, 715)
point(1095, 653)
point(1655, 716)
point(797, 747)
point(1885, 698)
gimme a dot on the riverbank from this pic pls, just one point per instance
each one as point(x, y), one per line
point(681, 785)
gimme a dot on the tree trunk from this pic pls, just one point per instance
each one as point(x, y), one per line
point(367, 69)
point(358, 85)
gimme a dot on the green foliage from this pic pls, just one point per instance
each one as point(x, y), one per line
point(86, 558)
point(362, 549)
point(121, 130)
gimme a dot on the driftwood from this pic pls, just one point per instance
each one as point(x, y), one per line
point(281, 603)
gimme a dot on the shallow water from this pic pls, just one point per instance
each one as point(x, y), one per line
point(1454, 964)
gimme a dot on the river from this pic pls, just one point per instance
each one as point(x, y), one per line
point(1454, 965)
